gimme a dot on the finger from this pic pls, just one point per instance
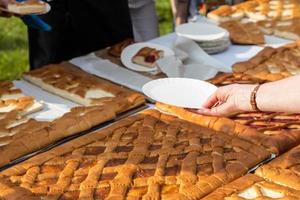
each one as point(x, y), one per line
point(224, 109)
point(211, 101)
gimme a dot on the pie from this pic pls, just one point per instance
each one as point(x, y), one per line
point(147, 57)
point(28, 7)
point(282, 128)
point(117, 49)
point(275, 131)
point(289, 29)
point(277, 17)
point(12, 99)
point(234, 78)
point(284, 170)
point(147, 156)
point(20, 135)
point(272, 63)
point(81, 87)
point(257, 10)
point(253, 187)
point(244, 33)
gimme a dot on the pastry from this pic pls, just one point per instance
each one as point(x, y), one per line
point(272, 63)
point(76, 85)
point(116, 50)
point(146, 156)
point(28, 7)
point(20, 136)
point(147, 57)
point(234, 78)
point(283, 170)
point(12, 99)
point(277, 17)
point(289, 29)
point(277, 132)
point(244, 33)
point(253, 187)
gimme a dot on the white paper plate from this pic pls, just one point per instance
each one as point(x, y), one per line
point(130, 51)
point(181, 92)
point(201, 31)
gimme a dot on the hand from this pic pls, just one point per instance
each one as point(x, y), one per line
point(228, 100)
point(3, 4)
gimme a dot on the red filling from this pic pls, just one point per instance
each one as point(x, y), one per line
point(150, 59)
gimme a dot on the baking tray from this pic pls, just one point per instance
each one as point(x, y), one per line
point(69, 138)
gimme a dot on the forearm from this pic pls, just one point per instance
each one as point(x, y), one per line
point(280, 96)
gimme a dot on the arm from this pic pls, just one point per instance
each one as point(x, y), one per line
point(279, 96)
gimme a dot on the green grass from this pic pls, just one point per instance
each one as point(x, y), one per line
point(14, 48)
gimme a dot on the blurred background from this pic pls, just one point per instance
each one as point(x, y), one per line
point(13, 41)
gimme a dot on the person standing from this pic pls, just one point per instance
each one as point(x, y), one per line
point(78, 27)
point(144, 19)
point(180, 9)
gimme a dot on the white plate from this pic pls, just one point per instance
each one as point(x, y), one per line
point(181, 92)
point(201, 31)
point(130, 51)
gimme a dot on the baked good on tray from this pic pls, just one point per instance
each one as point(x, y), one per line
point(283, 170)
point(289, 29)
point(232, 78)
point(244, 33)
point(272, 63)
point(251, 186)
point(116, 50)
point(28, 7)
point(276, 131)
point(20, 136)
point(146, 156)
point(147, 57)
point(81, 87)
point(13, 99)
point(257, 10)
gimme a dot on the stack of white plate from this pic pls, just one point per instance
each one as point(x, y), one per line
point(211, 38)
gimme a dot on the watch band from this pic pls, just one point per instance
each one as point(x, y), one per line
point(253, 98)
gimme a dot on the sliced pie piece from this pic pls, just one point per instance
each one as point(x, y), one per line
point(147, 57)
point(13, 99)
point(244, 33)
point(28, 7)
point(146, 156)
point(253, 187)
point(116, 50)
point(76, 85)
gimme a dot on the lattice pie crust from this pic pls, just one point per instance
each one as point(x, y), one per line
point(146, 156)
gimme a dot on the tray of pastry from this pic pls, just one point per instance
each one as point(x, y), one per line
point(147, 155)
point(98, 124)
point(25, 126)
point(113, 54)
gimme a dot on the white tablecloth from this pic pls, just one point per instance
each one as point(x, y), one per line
point(235, 53)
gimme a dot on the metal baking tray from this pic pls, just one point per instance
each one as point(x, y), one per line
point(69, 138)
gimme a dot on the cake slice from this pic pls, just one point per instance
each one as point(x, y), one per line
point(147, 57)
point(28, 7)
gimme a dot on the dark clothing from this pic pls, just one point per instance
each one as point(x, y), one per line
point(79, 27)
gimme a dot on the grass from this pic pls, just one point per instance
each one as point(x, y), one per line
point(14, 48)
